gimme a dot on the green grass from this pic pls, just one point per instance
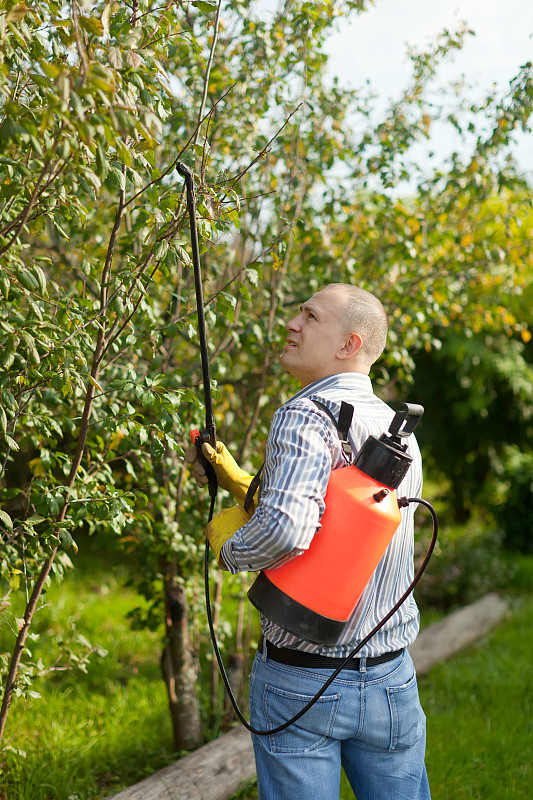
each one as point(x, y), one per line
point(479, 707)
point(85, 744)
point(92, 734)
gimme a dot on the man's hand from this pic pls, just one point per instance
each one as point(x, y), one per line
point(229, 475)
point(223, 526)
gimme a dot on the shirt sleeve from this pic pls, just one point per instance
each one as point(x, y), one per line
point(298, 464)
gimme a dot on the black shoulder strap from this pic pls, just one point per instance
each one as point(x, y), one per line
point(252, 488)
point(342, 424)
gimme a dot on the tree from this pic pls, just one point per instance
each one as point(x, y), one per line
point(99, 351)
point(88, 244)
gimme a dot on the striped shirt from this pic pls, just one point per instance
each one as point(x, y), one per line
point(302, 448)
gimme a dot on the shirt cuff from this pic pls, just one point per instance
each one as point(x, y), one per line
point(227, 557)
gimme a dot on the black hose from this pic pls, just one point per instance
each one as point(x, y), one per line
point(187, 174)
point(401, 503)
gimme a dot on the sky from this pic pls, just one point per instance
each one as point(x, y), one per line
point(373, 47)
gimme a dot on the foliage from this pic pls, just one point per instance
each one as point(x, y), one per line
point(480, 393)
point(514, 512)
point(98, 340)
point(80, 132)
point(464, 566)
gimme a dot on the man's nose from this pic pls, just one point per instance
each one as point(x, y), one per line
point(295, 323)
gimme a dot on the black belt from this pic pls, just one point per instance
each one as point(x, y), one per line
point(299, 658)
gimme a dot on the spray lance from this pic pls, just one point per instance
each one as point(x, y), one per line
point(314, 594)
point(207, 434)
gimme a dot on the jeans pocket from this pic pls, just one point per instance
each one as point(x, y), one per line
point(310, 731)
point(407, 716)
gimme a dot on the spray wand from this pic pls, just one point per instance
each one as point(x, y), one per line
point(207, 434)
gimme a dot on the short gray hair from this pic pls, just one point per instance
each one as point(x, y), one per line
point(364, 314)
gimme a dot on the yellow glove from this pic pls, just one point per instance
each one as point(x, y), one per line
point(229, 475)
point(223, 526)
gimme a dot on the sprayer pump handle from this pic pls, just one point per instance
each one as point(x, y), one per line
point(408, 416)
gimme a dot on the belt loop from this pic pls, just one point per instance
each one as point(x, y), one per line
point(362, 664)
point(262, 648)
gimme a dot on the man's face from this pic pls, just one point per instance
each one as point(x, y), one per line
point(315, 337)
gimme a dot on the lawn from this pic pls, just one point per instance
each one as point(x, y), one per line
point(92, 734)
point(479, 707)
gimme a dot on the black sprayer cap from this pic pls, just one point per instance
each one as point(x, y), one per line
point(386, 459)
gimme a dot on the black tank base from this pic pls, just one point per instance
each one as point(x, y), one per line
point(291, 615)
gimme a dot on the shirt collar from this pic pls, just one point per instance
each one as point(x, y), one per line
point(340, 380)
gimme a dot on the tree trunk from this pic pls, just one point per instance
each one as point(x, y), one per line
point(235, 672)
point(180, 673)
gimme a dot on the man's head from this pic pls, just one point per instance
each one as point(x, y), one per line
point(342, 328)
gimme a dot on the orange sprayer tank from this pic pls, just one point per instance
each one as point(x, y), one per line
point(314, 594)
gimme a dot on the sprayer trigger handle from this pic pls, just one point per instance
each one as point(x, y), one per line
point(198, 438)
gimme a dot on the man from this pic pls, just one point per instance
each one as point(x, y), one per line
point(369, 720)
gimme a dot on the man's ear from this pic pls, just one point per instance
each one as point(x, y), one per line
point(351, 346)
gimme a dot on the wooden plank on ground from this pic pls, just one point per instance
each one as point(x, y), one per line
point(213, 772)
point(447, 637)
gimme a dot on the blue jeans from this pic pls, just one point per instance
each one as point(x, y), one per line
point(370, 722)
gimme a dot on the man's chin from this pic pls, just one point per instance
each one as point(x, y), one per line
point(285, 362)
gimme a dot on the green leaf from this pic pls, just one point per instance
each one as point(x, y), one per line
point(11, 443)
point(6, 326)
point(253, 276)
point(106, 14)
point(41, 278)
point(59, 229)
point(5, 284)
point(102, 164)
point(66, 540)
point(6, 519)
point(205, 5)
point(49, 69)
point(92, 25)
point(157, 449)
point(160, 249)
point(9, 400)
point(28, 280)
point(118, 177)
point(3, 421)
point(114, 56)
point(92, 177)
